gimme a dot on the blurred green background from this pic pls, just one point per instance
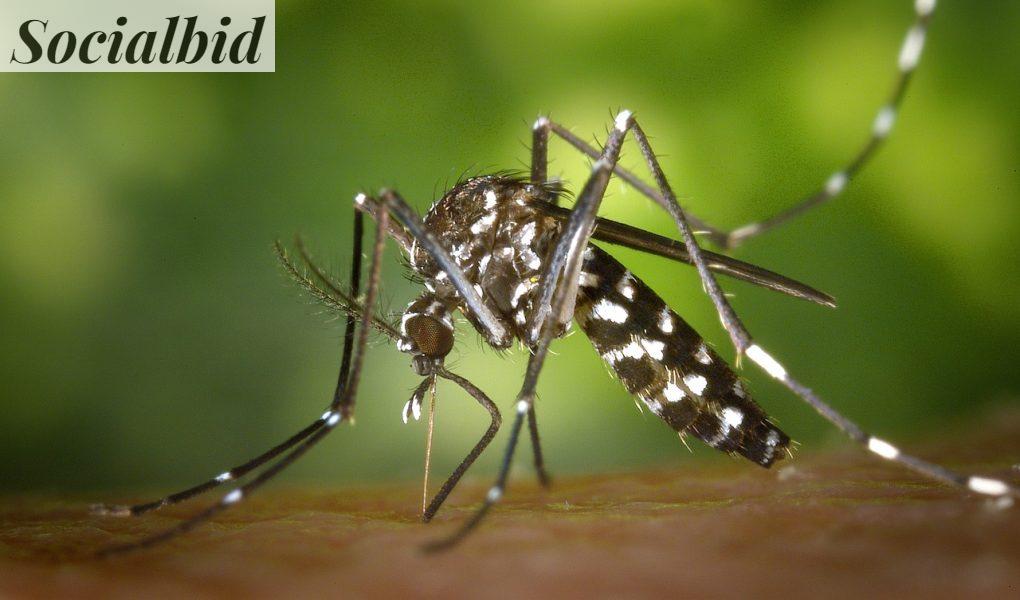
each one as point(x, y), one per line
point(151, 340)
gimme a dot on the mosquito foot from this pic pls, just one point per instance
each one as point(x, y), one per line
point(110, 510)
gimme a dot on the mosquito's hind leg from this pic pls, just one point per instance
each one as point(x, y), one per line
point(907, 61)
point(746, 346)
point(885, 118)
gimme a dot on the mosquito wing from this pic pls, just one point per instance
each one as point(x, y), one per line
point(629, 236)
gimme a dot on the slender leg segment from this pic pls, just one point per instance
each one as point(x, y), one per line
point(536, 447)
point(329, 420)
point(120, 510)
point(243, 469)
point(479, 447)
point(339, 400)
point(540, 151)
point(907, 61)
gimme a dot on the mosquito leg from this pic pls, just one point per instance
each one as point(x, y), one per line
point(536, 446)
point(539, 176)
point(121, 510)
point(909, 56)
point(565, 260)
point(228, 500)
point(465, 464)
point(494, 495)
point(629, 177)
point(746, 346)
point(981, 485)
point(540, 152)
point(243, 469)
point(734, 327)
point(354, 290)
point(330, 420)
point(563, 263)
point(348, 379)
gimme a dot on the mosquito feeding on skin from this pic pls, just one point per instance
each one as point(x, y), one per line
point(501, 251)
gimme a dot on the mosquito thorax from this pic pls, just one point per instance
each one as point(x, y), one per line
point(491, 229)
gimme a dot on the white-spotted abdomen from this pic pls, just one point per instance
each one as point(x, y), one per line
point(664, 362)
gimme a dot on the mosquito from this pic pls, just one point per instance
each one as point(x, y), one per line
point(501, 251)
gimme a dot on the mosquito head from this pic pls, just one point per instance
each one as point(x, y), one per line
point(432, 340)
point(426, 332)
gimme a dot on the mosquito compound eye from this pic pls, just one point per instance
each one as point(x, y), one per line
point(432, 337)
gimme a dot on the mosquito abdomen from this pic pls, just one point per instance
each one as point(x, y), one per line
point(664, 362)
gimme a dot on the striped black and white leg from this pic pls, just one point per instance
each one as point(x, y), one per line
point(329, 420)
point(237, 472)
point(745, 345)
point(982, 485)
point(243, 469)
point(907, 60)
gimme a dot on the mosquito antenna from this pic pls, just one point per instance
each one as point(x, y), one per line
point(333, 296)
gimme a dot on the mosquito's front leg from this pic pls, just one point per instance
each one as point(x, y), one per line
point(243, 469)
point(352, 362)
